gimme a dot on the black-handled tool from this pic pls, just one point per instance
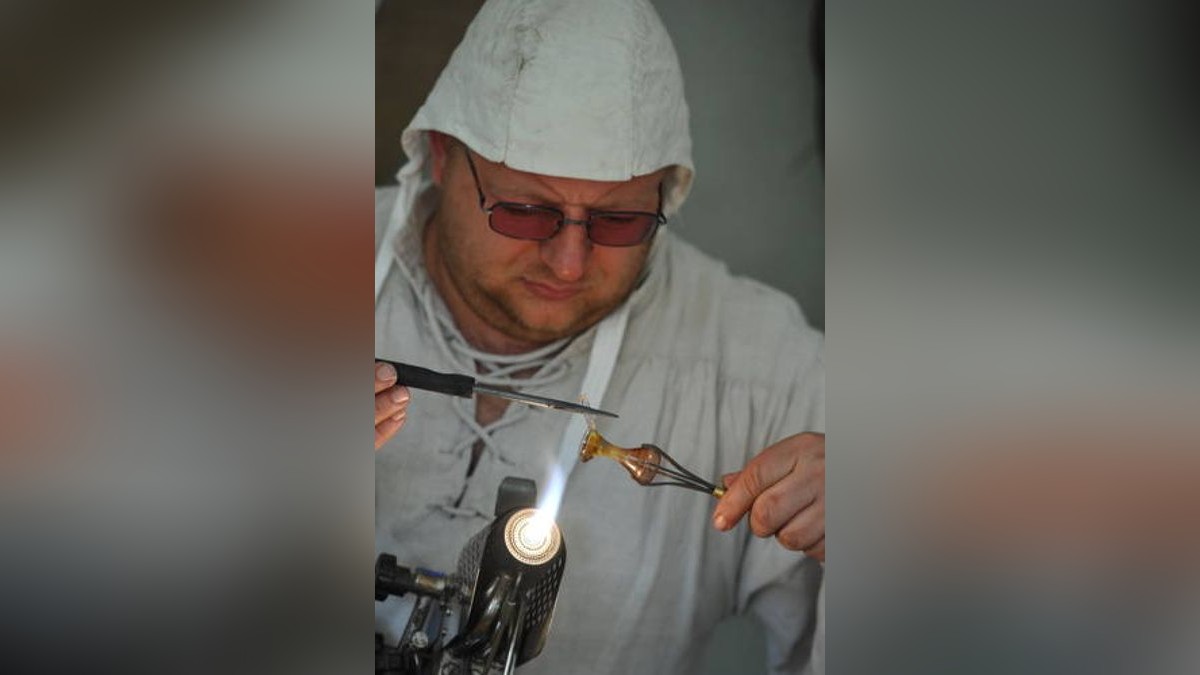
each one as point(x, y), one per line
point(464, 386)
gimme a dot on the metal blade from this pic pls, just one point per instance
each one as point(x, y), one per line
point(540, 401)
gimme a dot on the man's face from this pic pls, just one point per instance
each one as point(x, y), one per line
point(510, 294)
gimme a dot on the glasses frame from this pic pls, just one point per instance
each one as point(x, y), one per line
point(563, 220)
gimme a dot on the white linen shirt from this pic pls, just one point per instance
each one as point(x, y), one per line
point(713, 368)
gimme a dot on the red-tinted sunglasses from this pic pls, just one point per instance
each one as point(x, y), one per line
point(532, 221)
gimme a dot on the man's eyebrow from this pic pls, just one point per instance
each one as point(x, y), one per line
point(527, 196)
point(627, 202)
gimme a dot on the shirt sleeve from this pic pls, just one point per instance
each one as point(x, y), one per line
point(788, 605)
point(784, 589)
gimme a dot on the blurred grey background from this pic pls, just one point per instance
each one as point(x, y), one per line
point(758, 198)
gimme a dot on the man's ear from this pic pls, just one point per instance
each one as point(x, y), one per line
point(439, 150)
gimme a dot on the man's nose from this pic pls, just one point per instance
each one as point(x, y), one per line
point(566, 253)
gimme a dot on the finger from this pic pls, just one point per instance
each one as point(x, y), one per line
point(816, 550)
point(805, 530)
point(728, 479)
point(385, 376)
point(390, 402)
point(387, 429)
point(760, 473)
point(782, 502)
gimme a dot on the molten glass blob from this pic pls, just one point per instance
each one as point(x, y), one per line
point(645, 464)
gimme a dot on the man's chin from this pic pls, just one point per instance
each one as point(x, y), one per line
point(541, 321)
point(542, 332)
point(542, 328)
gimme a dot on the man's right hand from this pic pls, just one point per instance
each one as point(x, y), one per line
point(391, 404)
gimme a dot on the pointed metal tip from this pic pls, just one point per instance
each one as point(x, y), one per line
point(541, 401)
point(588, 410)
point(584, 410)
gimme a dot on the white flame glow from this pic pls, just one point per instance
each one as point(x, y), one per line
point(550, 497)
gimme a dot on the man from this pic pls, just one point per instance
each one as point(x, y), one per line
point(524, 245)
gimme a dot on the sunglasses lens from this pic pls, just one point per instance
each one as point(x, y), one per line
point(621, 229)
point(524, 222)
point(607, 229)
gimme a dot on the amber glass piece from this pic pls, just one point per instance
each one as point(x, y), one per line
point(647, 464)
point(642, 463)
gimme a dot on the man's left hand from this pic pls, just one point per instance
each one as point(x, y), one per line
point(783, 489)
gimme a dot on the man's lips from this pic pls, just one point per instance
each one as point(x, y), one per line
point(551, 291)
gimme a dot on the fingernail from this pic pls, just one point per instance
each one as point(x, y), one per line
point(399, 395)
point(400, 415)
point(384, 372)
point(720, 522)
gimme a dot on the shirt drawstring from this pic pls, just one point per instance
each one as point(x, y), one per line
point(547, 364)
